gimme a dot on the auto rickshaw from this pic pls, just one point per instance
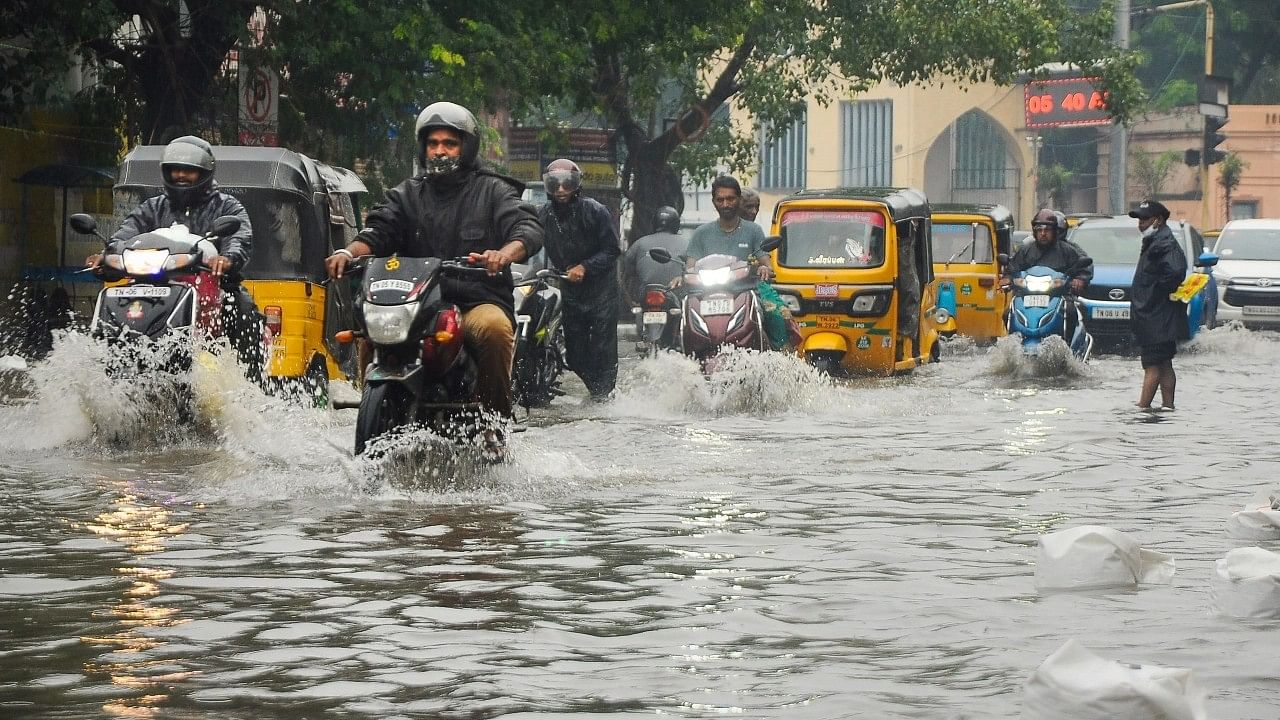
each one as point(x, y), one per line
point(967, 240)
point(855, 267)
point(301, 210)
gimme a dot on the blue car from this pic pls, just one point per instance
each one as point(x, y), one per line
point(1114, 243)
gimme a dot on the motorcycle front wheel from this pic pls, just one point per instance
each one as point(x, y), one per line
point(383, 408)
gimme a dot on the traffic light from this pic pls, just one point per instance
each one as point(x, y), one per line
point(1212, 139)
point(1191, 157)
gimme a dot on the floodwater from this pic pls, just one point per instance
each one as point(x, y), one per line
point(765, 545)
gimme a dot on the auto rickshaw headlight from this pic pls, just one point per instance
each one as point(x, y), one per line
point(868, 304)
point(792, 302)
point(942, 315)
point(389, 324)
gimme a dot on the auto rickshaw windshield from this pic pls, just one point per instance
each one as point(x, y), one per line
point(832, 239)
point(961, 242)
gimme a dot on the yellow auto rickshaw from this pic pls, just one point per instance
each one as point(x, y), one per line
point(855, 267)
point(301, 210)
point(967, 240)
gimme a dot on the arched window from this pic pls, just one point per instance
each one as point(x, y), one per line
point(981, 154)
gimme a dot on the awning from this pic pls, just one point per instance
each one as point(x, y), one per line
point(68, 176)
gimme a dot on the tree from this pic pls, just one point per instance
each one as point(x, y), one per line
point(159, 60)
point(1151, 171)
point(1230, 173)
point(1053, 182)
point(768, 57)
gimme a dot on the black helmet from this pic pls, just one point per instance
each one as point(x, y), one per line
point(1053, 219)
point(667, 219)
point(454, 117)
point(563, 172)
point(187, 151)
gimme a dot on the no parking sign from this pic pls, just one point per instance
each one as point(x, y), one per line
point(259, 105)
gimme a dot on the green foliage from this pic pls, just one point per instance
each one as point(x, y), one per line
point(1150, 172)
point(1053, 185)
point(1176, 93)
point(1230, 171)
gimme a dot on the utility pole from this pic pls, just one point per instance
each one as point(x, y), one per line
point(1118, 165)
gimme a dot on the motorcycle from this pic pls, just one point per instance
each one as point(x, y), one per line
point(421, 373)
point(169, 303)
point(1039, 310)
point(539, 358)
point(720, 306)
point(655, 320)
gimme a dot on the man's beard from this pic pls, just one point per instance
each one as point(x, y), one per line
point(728, 213)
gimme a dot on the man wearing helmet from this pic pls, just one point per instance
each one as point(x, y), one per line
point(1052, 249)
point(191, 198)
point(638, 269)
point(582, 242)
point(453, 207)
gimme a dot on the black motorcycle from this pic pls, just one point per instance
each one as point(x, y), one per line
point(539, 358)
point(657, 320)
point(421, 373)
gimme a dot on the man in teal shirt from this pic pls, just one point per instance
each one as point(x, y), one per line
point(730, 234)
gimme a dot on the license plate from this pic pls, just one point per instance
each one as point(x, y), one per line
point(134, 291)
point(827, 322)
point(397, 285)
point(826, 290)
point(655, 318)
point(1035, 301)
point(1104, 313)
point(717, 306)
point(1260, 310)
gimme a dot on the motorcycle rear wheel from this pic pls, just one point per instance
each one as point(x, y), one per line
point(383, 408)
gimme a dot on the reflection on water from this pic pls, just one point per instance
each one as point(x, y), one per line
point(766, 543)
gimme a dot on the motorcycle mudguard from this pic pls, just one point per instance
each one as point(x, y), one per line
point(825, 342)
point(408, 375)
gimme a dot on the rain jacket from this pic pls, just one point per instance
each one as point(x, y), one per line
point(470, 210)
point(1063, 255)
point(583, 236)
point(1162, 267)
point(157, 212)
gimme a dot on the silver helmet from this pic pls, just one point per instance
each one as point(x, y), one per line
point(192, 152)
point(454, 117)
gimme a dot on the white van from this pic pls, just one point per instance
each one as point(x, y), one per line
point(1248, 272)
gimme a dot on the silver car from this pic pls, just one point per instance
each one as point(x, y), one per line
point(1248, 272)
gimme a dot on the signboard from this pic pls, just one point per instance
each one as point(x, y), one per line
point(1065, 102)
point(527, 156)
point(259, 106)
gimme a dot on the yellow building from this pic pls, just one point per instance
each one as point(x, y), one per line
point(958, 143)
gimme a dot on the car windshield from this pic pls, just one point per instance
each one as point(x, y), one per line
point(961, 242)
point(1249, 244)
point(1108, 244)
point(832, 239)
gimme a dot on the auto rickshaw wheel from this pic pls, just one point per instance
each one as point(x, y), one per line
point(315, 383)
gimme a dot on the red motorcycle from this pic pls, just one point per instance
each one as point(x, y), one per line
point(720, 306)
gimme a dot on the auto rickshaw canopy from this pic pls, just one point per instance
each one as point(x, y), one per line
point(1000, 216)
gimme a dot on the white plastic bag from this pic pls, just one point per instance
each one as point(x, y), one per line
point(1075, 684)
point(1091, 556)
point(1247, 584)
point(1258, 520)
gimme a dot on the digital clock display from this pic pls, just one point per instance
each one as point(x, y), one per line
point(1065, 102)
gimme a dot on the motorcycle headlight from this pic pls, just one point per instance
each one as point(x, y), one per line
point(1039, 284)
point(389, 324)
point(718, 276)
point(180, 260)
point(145, 262)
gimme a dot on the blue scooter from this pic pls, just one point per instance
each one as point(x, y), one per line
point(1040, 306)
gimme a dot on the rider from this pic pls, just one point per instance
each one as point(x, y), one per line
point(582, 242)
point(191, 198)
point(453, 207)
point(1052, 249)
point(639, 270)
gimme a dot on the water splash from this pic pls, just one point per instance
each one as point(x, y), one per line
point(743, 382)
point(1054, 360)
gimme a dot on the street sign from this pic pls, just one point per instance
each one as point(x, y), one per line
point(259, 106)
point(1065, 102)
point(1214, 95)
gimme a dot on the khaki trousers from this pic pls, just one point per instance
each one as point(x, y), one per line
point(491, 339)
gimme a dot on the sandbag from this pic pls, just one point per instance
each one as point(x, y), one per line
point(1246, 584)
point(1258, 520)
point(1091, 556)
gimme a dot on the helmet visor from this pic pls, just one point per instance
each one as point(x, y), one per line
point(556, 179)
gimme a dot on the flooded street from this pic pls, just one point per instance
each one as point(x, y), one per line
point(767, 545)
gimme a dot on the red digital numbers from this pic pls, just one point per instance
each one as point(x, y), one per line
point(1065, 101)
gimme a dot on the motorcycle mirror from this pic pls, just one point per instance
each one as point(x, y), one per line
point(226, 226)
point(773, 242)
point(84, 224)
point(660, 255)
point(1003, 258)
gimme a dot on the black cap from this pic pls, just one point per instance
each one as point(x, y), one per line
point(1149, 209)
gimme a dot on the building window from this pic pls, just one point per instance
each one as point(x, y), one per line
point(1244, 209)
point(981, 161)
point(783, 159)
point(867, 129)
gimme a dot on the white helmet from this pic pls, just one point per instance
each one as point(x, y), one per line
point(454, 117)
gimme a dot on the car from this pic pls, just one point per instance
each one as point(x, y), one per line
point(1114, 243)
point(1249, 272)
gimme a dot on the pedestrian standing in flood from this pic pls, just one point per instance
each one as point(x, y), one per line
point(1158, 322)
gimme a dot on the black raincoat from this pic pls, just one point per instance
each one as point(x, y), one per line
point(157, 212)
point(1162, 267)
